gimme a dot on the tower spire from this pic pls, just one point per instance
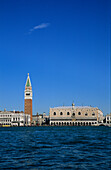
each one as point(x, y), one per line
point(28, 82)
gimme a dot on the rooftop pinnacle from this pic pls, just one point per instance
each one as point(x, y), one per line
point(28, 82)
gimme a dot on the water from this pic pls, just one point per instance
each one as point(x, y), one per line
point(55, 148)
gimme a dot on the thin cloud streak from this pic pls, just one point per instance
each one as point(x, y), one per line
point(41, 26)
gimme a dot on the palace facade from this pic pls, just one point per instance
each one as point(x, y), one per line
point(75, 116)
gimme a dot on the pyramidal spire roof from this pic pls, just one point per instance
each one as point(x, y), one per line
point(28, 82)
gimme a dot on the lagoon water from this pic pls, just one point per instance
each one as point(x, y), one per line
point(55, 148)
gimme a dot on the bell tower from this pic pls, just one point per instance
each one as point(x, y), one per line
point(28, 98)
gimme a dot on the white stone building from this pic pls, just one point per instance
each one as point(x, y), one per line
point(75, 116)
point(14, 118)
point(108, 120)
point(100, 116)
point(40, 119)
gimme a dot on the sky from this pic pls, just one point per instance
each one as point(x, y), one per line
point(64, 45)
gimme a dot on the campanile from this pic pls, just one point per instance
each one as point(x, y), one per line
point(28, 98)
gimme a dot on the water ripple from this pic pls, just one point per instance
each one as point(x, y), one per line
point(55, 148)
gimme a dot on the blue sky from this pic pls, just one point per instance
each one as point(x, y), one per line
point(63, 44)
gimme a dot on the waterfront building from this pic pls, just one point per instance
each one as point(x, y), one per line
point(100, 116)
point(40, 119)
point(75, 116)
point(108, 120)
point(28, 98)
point(14, 118)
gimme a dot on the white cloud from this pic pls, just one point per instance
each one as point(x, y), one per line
point(41, 26)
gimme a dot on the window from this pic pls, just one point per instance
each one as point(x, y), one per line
point(93, 114)
point(54, 113)
point(79, 113)
point(86, 114)
point(68, 113)
point(73, 114)
point(13, 118)
point(61, 113)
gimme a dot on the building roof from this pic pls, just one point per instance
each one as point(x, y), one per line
point(76, 107)
point(108, 114)
point(28, 82)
